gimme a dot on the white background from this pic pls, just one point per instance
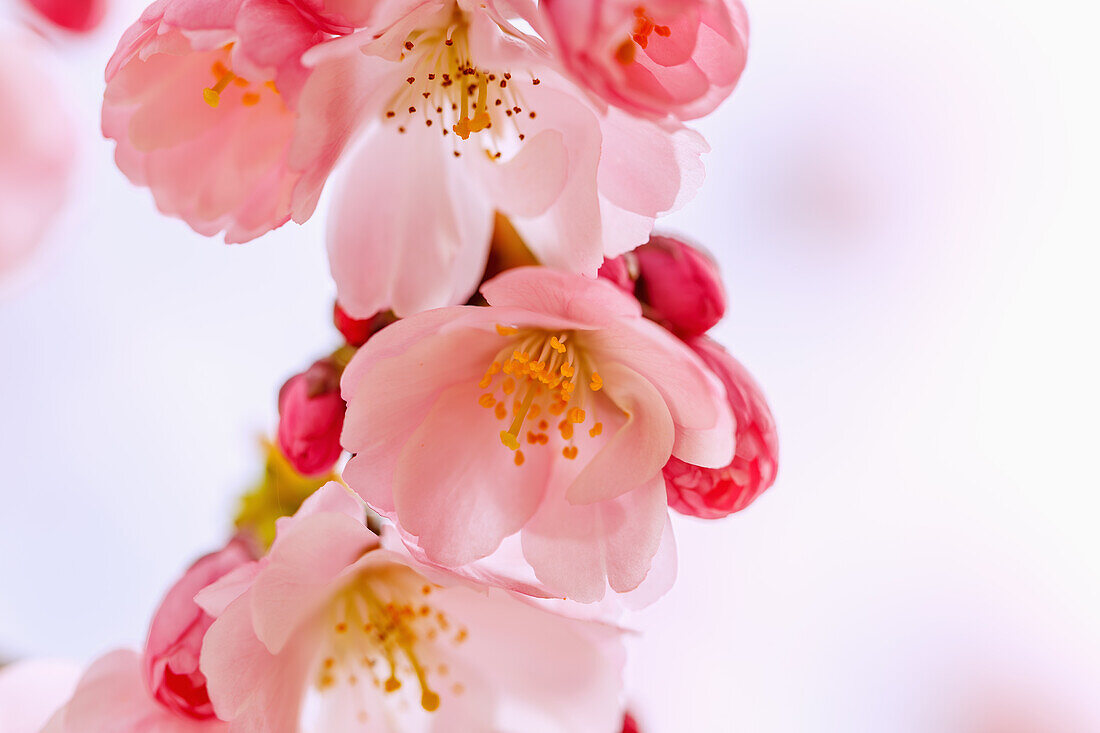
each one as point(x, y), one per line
point(903, 198)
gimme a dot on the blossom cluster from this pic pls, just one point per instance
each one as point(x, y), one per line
point(462, 498)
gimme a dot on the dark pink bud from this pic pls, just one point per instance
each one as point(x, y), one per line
point(358, 331)
point(171, 663)
point(629, 724)
point(73, 15)
point(621, 270)
point(311, 416)
point(712, 493)
point(681, 286)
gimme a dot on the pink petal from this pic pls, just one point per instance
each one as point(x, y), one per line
point(637, 451)
point(408, 232)
point(542, 290)
point(455, 460)
point(580, 549)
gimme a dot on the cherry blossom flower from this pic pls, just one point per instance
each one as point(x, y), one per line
point(37, 148)
point(213, 111)
point(171, 660)
point(332, 631)
point(112, 697)
point(469, 117)
point(713, 493)
point(665, 58)
point(311, 416)
point(548, 415)
point(32, 690)
point(81, 16)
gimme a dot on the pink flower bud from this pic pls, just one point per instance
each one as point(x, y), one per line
point(713, 493)
point(621, 270)
point(681, 285)
point(171, 663)
point(311, 416)
point(72, 15)
point(629, 724)
point(357, 331)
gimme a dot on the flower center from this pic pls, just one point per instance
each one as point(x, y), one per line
point(445, 89)
point(224, 79)
point(383, 627)
point(644, 27)
point(547, 378)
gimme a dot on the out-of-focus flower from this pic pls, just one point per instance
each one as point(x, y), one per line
point(32, 690)
point(681, 286)
point(112, 698)
point(356, 331)
point(311, 416)
point(664, 58)
point(213, 111)
point(472, 118)
point(80, 16)
point(37, 148)
point(171, 661)
point(335, 632)
point(713, 493)
point(549, 414)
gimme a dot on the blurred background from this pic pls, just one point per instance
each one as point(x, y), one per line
point(903, 197)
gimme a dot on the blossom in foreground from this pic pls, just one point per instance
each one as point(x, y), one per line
point(470, 116)
point(548, 415)
point(311, 416)
point(32, 690)
point(80, 16)
point(664, 58)
point(37, 148)
point(713, 493)
point(171, 659)
point(213, 111)
point(112, 697)
point(333, 632)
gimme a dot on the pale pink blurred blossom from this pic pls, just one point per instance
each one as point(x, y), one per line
point(32, 690)
point(663, 58)
point(712, 493)
point(335, 632)
point(80, 16)
point(548, 415)
point(37, 148)
point(112, 697)
point(470, 116)
point(311, 416)
point(171, 661)
point(213, 111)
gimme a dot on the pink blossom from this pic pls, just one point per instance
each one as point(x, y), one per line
point(311, 416)
point(548, 415)
point(336, 632)
point(81, 16)
point(171, 661)
point(338, 16)
point(32, 690)
point(713, 493)
point(681, 286)
point(470, 116)
point(664, 58)
point(37, 148)
point(111, 697)
point(213, 111)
